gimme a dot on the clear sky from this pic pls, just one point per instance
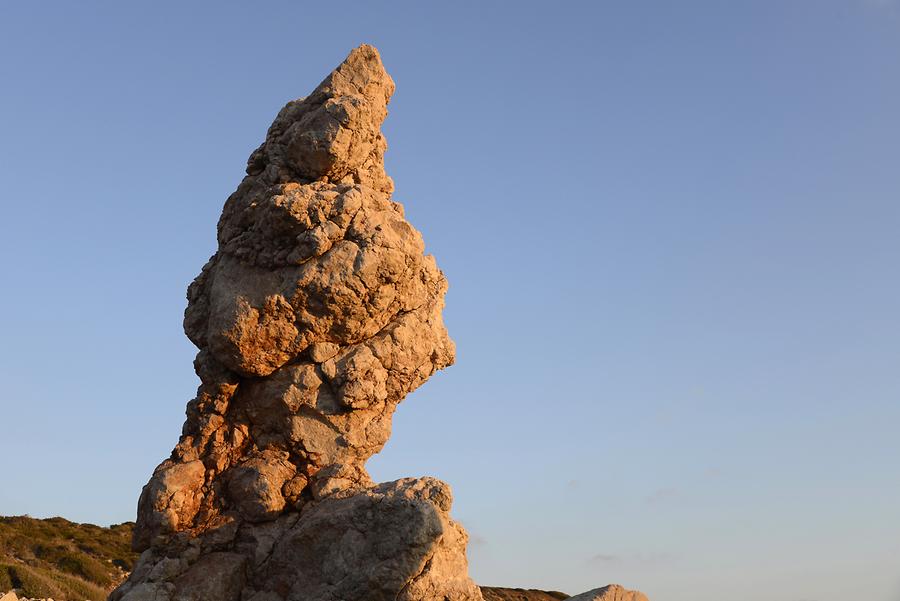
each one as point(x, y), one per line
point(670, 231)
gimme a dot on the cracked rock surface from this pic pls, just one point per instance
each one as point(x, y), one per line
point(317, 315)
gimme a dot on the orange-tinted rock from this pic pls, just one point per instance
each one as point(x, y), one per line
point(317, 315)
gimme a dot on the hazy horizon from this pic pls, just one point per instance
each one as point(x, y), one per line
point(671, 237)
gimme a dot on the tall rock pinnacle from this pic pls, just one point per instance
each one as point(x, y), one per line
point(317, 315)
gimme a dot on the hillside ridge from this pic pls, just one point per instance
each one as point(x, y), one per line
point(63, 560)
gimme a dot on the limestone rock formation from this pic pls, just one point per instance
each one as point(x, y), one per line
point(317, 315)
point(613, 592)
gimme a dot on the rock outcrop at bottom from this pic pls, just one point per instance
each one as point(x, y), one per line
point(613, 592)
point(393, 541)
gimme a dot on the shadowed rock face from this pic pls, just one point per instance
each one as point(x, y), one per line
point(317, 315)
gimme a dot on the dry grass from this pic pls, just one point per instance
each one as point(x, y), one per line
point(61, 559)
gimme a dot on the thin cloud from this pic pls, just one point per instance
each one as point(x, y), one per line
point(476, 540)
point(605, 558)
point(645, 560)
point(712, 473)
point(661, 495)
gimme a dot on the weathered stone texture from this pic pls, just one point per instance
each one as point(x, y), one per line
point(317, 315)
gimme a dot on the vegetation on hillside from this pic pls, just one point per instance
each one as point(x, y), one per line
point(61, 559)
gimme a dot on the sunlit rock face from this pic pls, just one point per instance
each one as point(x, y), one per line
point(317, 315)
point(612, 592)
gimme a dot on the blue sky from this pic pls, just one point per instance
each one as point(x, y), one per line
point(671, 235)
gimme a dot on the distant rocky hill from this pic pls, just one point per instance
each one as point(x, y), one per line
point(61, 559)
point(493, 593)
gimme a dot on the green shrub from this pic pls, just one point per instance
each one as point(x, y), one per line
point(5, 581)
point(75, 589)
point(36, 582)
point(86, 567)
point(75, 562)
point(32, 583)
